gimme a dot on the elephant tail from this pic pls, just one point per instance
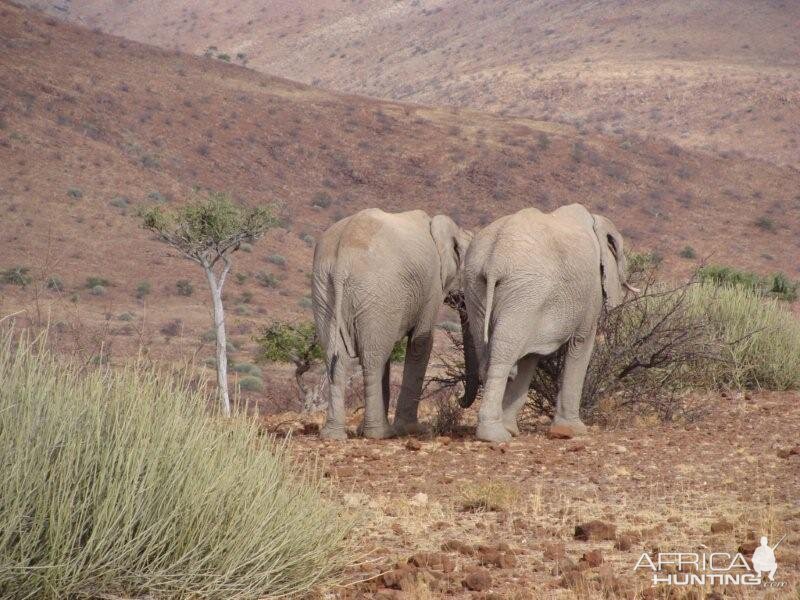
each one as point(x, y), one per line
point(487, 315)
point(338, 338)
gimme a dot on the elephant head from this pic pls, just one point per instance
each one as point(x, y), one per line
point(452, 243)
point(612, 262)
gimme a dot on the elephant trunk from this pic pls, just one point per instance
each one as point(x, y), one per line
point(472, 382)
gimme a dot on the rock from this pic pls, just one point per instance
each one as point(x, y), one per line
point(489, 556)
point(433, 560)
point(623, 543)
point(577, 447)
point(788, 452)
point(443, 440)
point(560, 432)
point(721, 526)
point(419, 499)
point(593, 558)
point(458, 546)
point(554, 551)
point(747, 548)
point(619, 449)
point(595, 531)
point(413, 445)
point(478, 580)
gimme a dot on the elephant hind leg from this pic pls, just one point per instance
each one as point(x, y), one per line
point(418, 353)
point(334, 428)
point(376, 425)
point(568, 403)
point(517, 392)
point(490, 416)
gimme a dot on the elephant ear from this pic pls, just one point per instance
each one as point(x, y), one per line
point(612, 261)
point(451, 242)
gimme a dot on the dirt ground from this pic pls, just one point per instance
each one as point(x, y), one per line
point(455, 517)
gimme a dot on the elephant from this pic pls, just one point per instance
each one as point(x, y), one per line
point(379, 277)
point(535, 282)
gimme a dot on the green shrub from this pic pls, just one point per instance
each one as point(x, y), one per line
point(398, 351)
point(277, 259)
point(268, 280)
point(143, 290)
point(75, 193)
point(98, 290)
point(777, 286)
point(55, 284)
point(125, 487)
point(248, 369)
point(95, 281)
point(208, 336)
point(16, 276)
point(766, 224)
point(184, 287)
point(251, 383)
point(688, 252)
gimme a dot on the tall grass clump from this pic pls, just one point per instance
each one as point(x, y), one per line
point(118, 484)
point(761, 337)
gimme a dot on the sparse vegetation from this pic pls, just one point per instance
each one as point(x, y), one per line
point(92, 282)
point(277, 260)
point(143, 289)
point(494, 496)
point(268, 280)
point(16, 276)
point(688, 252)
point(766, 223)
point(55, 284)
point(75, 193)
point(184, 287)
point(125, 486)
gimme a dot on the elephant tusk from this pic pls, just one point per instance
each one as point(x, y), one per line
point(630, 288)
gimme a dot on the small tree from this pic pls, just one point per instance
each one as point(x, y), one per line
point(295, 344)
point(208, 232)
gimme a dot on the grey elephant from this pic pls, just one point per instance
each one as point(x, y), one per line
point(379, 277)
point(534, 282)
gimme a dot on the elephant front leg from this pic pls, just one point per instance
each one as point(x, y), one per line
point(517, 392)
point(376, 425)
point(418, 352)
point(334, 428)
point(568, 403)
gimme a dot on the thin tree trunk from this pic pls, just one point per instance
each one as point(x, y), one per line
point(219, 329)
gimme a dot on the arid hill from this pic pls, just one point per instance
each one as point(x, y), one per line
point(712, 74)
point(93, 127)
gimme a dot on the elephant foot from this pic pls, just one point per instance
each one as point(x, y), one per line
point(376, 432)
point(576, 425)
point(511, 426)
point(409, 428)
point(493, 432)
point(333, 432)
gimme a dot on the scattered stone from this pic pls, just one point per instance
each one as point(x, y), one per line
point(593, 558)
point(595, 531)
point(443, 440)
point(721, 526)
point(433, 560)
point(478, 580)
point(623, 543)
point(495, 557)
point(560, 432)
point(788, 452)
point(413, 445)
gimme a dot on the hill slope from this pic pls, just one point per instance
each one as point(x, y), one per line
point(93, 126)
point(712, 74)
